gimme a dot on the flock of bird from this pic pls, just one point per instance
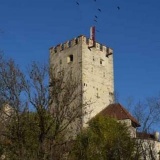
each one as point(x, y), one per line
point(95, 19)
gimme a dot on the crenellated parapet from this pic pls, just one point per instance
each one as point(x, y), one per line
point(81, 39)
point(66, 45)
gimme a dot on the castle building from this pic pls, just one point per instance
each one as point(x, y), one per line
point(91, 63)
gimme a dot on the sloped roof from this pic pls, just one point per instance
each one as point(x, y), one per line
point(119, 112)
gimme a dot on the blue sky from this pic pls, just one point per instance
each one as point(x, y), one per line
point(31, 27)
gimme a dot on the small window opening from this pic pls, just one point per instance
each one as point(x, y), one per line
point(97, 95)
point(60, 61)
point(102, 62)
point(70, 58)
point(85, 84)
point(93, 58)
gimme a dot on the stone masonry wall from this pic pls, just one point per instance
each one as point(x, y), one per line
point(92, 66)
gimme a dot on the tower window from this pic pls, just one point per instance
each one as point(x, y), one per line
point(85, 84)
point(70, 58)
point(102, 62)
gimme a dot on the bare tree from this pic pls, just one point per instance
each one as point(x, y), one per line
point(12, 83)
point(66, 106)
point(147, 112)
point(47, 110)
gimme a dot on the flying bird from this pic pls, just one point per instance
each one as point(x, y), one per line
point(118, 8)
point(97, 30)
point(99, 9)
point(95, 20)
point(95, 16)
point(77, 3)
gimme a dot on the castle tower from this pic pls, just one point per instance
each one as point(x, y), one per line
point(92, 64)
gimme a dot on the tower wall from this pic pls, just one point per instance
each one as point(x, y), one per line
point(97, 77)
point(92, 66)
point(66, 59)
point(59, 56)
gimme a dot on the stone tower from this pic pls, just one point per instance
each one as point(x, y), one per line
point(92, 64)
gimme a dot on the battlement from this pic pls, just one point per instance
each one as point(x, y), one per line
point(81, 39)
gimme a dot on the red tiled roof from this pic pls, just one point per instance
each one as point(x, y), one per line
point(119, 112)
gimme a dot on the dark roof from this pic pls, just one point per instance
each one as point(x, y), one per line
point(118, 112)
point(142, 135)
